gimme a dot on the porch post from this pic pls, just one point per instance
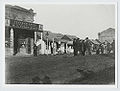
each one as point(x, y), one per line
point(41, 35)
point(11, 38)
point(35, 37)
point(12, 41)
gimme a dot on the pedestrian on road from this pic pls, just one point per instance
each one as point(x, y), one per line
point(83, 49)
point(101, 48)
point(108, 48)
point(35, 50)
point(80, 47)
point(88, 46)
point(113, 46)
point(77, 45)
point(97, 49)
point(74, 47)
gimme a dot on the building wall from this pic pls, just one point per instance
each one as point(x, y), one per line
point(16, 13)
point(16, 38)
point(19, 13)
point(108, 35)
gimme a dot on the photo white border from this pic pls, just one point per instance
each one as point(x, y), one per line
point(62, 86)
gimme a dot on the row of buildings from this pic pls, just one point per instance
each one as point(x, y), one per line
point(21, 33)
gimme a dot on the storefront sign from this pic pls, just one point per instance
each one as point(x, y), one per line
point(25, 25)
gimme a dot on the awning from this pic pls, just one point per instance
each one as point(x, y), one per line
point(23, 25)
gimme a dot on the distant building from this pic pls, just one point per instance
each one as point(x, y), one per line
point(107, 35)
point(20, 31)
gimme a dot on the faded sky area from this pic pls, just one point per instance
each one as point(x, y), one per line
point(75, 19)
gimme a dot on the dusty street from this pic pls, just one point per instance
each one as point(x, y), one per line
point(61, 69)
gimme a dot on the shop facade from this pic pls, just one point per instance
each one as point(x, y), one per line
point(20, 33)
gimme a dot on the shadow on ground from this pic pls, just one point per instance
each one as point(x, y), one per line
point(106, 76)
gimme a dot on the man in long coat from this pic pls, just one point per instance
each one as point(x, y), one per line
point(113, 46)
point(74, 47)
point(83, 47)
point(35, 50)
point(88, 46)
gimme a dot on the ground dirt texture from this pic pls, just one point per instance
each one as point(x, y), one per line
point(61, 69)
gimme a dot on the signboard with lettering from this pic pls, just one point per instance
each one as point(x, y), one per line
point(25, 25)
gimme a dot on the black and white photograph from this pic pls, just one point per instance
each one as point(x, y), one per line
point(60, 44)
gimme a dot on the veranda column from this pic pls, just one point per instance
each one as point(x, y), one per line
point(12, 41)
point(41, 35)
point(35, 37)
point(32, 45)
point(11, 38)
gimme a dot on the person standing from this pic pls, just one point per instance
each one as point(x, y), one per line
point(35, 50)
point(83, 47)
point(105, 47)
point(108, 48)
point(51, 48)
point(74, 47)
point(101, 48)
point(77, 45)
point(97, 49)
point(113, 46)
point(88, 46)
point(80, 47)
point(54, 48)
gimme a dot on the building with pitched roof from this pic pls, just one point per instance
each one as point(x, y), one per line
point(107, 35)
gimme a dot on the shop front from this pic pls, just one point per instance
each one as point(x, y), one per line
point(20, 36)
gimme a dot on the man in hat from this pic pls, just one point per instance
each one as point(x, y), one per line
point(35, 49)
point(88, 46)
point(74, 47)
point(83, 47)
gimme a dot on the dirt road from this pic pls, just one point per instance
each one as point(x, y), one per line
point(61, 69)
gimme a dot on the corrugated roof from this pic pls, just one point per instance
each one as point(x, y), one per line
point(65, 37)
point(98, 41)
point(94, 41)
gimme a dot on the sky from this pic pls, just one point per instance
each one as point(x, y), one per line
point(81, 20)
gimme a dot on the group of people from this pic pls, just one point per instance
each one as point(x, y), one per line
point(106, 48)
point(81, 46)
point(86, 47)
point(47, 49)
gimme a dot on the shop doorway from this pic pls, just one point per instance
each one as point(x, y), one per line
point(23, 41)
